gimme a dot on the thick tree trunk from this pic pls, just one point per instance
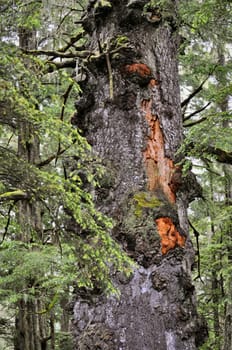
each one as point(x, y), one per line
point(130, 113)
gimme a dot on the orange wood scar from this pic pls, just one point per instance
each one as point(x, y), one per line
point(160, 169)
point(153, 83)
point(170, 237)
point(139, 68)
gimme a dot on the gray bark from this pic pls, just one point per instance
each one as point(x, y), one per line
point(136, 128)
point(227, 326)
point(31, 326)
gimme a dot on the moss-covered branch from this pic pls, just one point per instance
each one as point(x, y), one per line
point(14, 195)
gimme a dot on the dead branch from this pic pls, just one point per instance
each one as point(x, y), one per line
point(57, 54)
point(193, 94)
point(195, 122)
point(196, 112)
point(8, 221)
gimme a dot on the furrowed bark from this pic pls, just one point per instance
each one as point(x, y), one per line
point(137, 131)
point(30, 324)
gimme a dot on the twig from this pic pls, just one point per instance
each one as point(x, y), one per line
point(72, 41)
point(196, 112)
point(194, 93)
point(8, 221)
point(50, 159)
point(195, 122)
point(198, 89)
point(197, 234)
point(65, 96)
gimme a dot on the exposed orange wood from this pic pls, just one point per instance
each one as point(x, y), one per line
point(139, 68)
point(170, 237)
point(152, 83)
point(159, 168)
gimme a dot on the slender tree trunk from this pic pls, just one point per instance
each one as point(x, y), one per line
point(65, 317)
point(228, 307)
point(29, 334)
point(52, 330)
point(28, 150)
point(130, 113)
point(224, 107)
point(65, 323)
point(216, 300)
point(214, 277)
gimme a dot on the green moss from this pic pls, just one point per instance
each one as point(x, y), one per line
point(13, 194)
point(120, 41)
point(102, 3)
point(145, 200)
point(140, 210)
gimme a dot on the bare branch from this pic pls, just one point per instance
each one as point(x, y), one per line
point(65, 97)
point(198, 89)
point(71, 42)
point(50, 159)
point(55, 54)
point(63, 19)
point(197, 234)
point(194, 93)
point(196, 112)
point(221, 155)
point(8, 221)
point(195, 122)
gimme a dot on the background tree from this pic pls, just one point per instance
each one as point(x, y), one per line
point(208, 124)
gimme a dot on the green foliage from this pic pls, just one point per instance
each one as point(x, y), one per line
point(70, 246)
point(212, 218)
point(64, 341)
point(205, 62)
point(209, 132)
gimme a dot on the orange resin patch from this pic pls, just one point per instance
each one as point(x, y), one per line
point(159, 168)
point(170, 237)
point(139, 68)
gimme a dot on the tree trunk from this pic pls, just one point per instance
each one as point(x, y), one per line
point(228, 199)
point(224, 107)
point(130, 114)
point(30, 325)
point(227, 338)
point(28, 150)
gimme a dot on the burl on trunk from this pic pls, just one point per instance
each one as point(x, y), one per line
point(130, 114)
